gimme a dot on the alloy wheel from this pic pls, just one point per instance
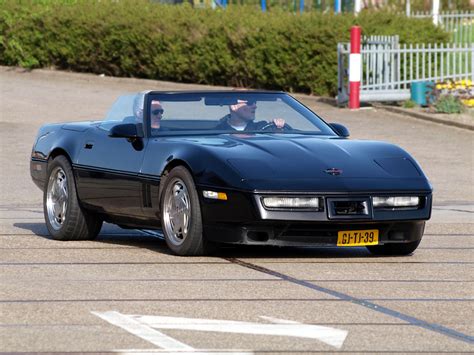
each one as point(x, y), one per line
point(177, 212)
point(57, 198)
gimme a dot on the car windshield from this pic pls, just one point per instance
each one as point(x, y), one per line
point(230, 112)
point(126, 109)
point(215, 113)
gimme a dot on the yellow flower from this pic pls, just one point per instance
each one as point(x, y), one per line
point(468, 102)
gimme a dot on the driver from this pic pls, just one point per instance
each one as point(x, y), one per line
point(242, 118)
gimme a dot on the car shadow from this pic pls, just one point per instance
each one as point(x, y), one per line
point(111, 234)
point(288, 252)
point(38, 229)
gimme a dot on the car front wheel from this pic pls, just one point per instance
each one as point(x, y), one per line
point(65, 219)
point(181, 214)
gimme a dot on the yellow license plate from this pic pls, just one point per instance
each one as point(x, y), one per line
point(357, 238)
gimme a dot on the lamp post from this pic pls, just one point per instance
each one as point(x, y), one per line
point(357, 6)
point(435, 12)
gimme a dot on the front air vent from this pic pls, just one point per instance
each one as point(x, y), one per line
point(344, 208)
point(349, 208)
point(258, 236)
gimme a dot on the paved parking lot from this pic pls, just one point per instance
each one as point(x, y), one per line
point(125, 292)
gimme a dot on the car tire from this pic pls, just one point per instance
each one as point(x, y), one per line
point(65, 219)
point(394, 248)
point(181, 214)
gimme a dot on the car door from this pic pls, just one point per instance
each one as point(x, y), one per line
point(107, 172)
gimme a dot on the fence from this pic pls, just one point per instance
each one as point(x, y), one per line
point(287, 5)
point(389, 68)
point(460, 24)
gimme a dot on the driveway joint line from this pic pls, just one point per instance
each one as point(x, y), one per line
point(362, 302)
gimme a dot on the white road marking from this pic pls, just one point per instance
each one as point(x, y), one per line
point(142, 327)
point(181, 352)
point(331, 336)
point(280, 321)
point(142, 331)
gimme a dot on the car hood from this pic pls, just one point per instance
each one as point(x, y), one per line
point(266, 161)
point(79, 126)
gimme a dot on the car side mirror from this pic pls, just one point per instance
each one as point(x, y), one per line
point(125, 130)
point(341, 130)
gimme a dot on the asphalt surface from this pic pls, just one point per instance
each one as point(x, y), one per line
point(125, 292)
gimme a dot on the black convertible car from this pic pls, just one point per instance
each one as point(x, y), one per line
point(242, 167)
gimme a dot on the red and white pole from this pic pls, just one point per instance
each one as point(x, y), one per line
point(355, 68)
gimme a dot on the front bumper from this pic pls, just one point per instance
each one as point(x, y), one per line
point(246, 207)
point(38, 172)
point(309, 234)
point(243, 219)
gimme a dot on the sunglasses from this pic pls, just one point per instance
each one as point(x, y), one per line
point(158, 111)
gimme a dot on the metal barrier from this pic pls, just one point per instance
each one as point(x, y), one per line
point(389, 68)
point(460, 24)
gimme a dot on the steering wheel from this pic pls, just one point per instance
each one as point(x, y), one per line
point(273, 127)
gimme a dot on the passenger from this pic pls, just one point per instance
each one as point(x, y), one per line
point(156, 114)
point(242, 118)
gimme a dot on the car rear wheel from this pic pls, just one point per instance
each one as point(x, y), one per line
point(394, 249)
point(181, 214)
point(65, 219)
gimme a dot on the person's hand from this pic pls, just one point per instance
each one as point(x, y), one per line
point(276, 125)
point(279, 122)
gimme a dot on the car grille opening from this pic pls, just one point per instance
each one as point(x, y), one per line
point(322, 234)
point(396, 235)
point(349, 208)
point(343, 208)
point(259, 236)
point(307, 234)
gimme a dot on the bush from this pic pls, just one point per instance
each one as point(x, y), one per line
point(409, 104)
point(240, 46)
point(448, 104)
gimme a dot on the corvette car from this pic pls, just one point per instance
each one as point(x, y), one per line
point(238, 167)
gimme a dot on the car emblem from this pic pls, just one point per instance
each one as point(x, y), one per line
point(333, 171)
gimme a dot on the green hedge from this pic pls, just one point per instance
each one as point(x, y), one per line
point(239, 46)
